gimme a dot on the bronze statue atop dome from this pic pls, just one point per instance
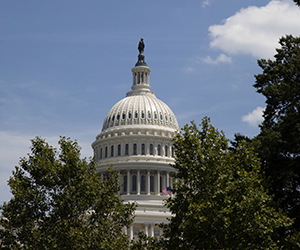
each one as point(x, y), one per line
point(141, 46)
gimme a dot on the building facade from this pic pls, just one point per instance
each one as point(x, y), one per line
point(136, 139)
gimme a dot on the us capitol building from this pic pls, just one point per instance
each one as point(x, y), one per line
point(136, 139)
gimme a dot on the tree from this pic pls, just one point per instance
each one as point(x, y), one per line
point(297, 2)
point(278, 142)
point(60, 202)
point(219, 201)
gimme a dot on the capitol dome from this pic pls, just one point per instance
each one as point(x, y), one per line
point(140, 108)
point(137, 140)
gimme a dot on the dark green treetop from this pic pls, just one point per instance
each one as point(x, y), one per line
point(278, 143)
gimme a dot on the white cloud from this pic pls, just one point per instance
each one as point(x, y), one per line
point(206, 3)
point(189, 69)
point(256, 30)
point(222, 58)
point(255, 117)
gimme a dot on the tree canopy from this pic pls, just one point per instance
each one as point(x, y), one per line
point(60, 202)
point(219, 199)
point(278, 142)
point(297, 2)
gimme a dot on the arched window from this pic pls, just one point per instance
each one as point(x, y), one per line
point(105, 152)
point(149, 115)
point(126, 149)
point(123, 116)
point(143, 149)
point(172, 151)
point(136, 115)
point(118, 117)
point(151, 183)
point(143, 183)
point(112, 151)
point(166, 151)
point(143, 115)
point(151, 149)
point(125, 183)
point(134, 183)
point(100, 153)
point(134, 149)
point(155, 116)
point(158, 150)
point(119, 149)
point(129, 115)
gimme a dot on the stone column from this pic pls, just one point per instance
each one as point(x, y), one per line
point(138, 182)
point(131, 231)
point(152, 230)
point(168, 179)
point(128, 182)
point(148, 182)
point(158, 183)
point(146, 229)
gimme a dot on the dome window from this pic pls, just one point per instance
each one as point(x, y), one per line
point(143, 183)
point(151, 183)
point(134, 149)
point(123, 116)
point(151, 149)
point(143, 149)
point(100, 153)
point(119, 149)
point(166, 151)
point(118, 117)
point(129, 115)
point(149, 115)
point(166, 118)
point(134, 183)
point(170, 119)
point(136, 115)
point(158, 150)
point(143, 115)
point(112, 151)
point(155, 116)
point(126, 149)
point(113, 118)
point(172, 151)
point(109, 119)
point(105, 152)
point(161, 116)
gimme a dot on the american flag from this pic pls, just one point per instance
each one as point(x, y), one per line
point(166, 191)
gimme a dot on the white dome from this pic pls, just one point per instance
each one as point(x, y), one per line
point(140, 108)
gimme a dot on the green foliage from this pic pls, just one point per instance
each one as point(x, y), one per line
point(278, 143)
point(143, 242)
point(60, 202)
point(297, 2)
point(220, 202)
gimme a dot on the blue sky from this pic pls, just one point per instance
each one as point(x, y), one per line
point(64, 64)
